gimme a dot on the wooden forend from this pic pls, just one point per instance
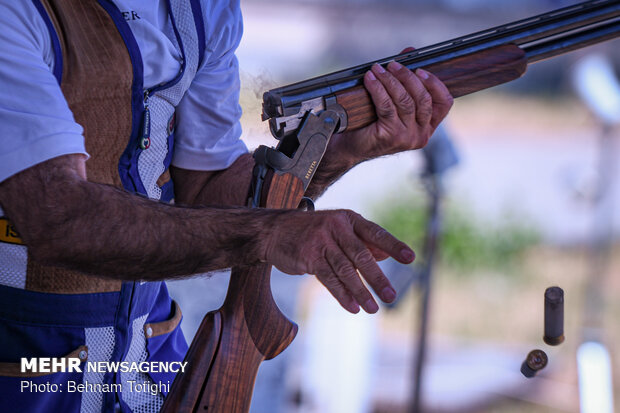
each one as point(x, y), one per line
point(462, 76)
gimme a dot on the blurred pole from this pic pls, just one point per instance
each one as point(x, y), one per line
point(598, 87)
point(433, 187)
point(440, 155)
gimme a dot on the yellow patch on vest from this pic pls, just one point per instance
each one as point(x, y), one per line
point(8, 233)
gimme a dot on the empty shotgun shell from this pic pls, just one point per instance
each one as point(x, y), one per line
point(535, 361)
point(554, 316)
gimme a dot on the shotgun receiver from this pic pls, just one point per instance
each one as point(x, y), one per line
point(231, 342)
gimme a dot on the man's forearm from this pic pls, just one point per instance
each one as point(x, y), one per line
point(103, 230)
point(227, 187)
point(106, 231)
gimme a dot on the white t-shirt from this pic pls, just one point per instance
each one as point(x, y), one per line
point(36, 123)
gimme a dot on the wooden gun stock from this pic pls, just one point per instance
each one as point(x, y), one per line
point(231, 342)
point(462, 76)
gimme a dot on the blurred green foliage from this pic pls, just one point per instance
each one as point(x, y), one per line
point(466, 243)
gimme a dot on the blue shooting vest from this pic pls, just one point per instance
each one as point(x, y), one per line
point(129, 133)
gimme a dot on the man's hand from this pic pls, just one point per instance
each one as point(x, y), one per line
point(409, 108)
point(337, 246)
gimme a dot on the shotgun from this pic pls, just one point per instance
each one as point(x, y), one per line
point(231, 342)
point(466, 64)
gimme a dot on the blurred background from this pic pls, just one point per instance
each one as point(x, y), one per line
point(534, 201)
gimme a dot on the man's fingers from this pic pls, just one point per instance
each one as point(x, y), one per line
point(337, 289)
point(442, 100)
point(374, 234)
point(346, 272)
point(378, 253)
point(402, 99)
point(380, 97)
point(363, 260)
point(415, 90)
point(399, 93)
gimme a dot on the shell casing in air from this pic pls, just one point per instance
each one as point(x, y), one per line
point(554, 316)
